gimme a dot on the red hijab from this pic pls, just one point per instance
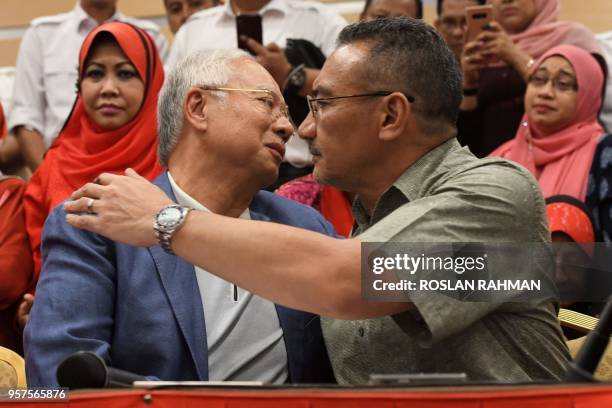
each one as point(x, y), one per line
point(561, 161)
point(83, 150)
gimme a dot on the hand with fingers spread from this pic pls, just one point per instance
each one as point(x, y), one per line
point(273, 58)
point(122, 208)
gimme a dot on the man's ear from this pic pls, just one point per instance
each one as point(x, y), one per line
point(397, 111)
point(195, 109)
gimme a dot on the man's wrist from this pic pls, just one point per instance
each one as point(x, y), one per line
point(29, 128)
point(295, 80)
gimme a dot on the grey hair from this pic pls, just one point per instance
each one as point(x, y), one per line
point(201, 68)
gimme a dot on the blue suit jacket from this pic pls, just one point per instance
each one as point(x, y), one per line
point(140, 308)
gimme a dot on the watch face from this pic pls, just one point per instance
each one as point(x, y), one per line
point(169, 216)
point(298, 79)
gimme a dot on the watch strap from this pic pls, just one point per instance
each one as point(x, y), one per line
point(295, 80)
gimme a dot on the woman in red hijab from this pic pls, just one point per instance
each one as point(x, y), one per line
point(112, 126)
point(559, 132)
point(15, 255)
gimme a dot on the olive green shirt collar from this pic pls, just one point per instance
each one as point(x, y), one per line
point(412, 184)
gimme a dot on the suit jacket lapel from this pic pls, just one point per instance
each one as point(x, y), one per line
point(292, 322)
point(181, 286)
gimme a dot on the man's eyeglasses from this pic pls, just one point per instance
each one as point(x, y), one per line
point(314, 104)
point(560, 83)
point(284, 109)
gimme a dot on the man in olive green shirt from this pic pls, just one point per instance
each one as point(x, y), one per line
point(382, 125)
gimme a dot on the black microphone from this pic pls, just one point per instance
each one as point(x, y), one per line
point(86, 369)
point(587, 359)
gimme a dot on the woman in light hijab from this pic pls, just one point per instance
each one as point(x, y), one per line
point(559, 132)
point(497, 64)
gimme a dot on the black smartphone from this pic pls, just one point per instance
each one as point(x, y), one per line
point(249, 25)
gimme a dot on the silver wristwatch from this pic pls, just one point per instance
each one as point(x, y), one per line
point(167, 221)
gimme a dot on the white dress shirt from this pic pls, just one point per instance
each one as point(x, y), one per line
point(215, 28)
point(47, 68)
point(243, 332)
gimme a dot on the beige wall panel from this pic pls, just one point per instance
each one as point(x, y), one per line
point(595, 14)
point(8, 52)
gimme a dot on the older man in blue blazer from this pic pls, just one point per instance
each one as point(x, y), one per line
point(223, 125)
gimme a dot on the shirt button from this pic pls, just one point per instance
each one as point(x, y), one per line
point(361, 332)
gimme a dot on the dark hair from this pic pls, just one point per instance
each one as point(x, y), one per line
point(439, 5)
point(419, 8)
point(409, 55)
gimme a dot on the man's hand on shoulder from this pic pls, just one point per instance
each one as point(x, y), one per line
point(122, 208)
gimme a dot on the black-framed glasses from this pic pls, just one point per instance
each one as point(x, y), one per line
point(313, 103)
point(284, 109)
point(560, 83)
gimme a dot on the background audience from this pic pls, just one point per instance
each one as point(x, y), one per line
point(113, 125)
point(178, 11)
point(498, 62)
point(451, 22)
point(44, 89)
point(391, 8)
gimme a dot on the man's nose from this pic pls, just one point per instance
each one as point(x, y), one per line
point(284, 128)
point(308, 128)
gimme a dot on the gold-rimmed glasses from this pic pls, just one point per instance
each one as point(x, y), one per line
point(284, 109)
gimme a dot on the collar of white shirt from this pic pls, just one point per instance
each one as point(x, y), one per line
point(274, 5)
point(185, 199)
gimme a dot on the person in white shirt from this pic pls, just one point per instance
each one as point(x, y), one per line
point(44, 89)
point(178, 11)
point(215, 28)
